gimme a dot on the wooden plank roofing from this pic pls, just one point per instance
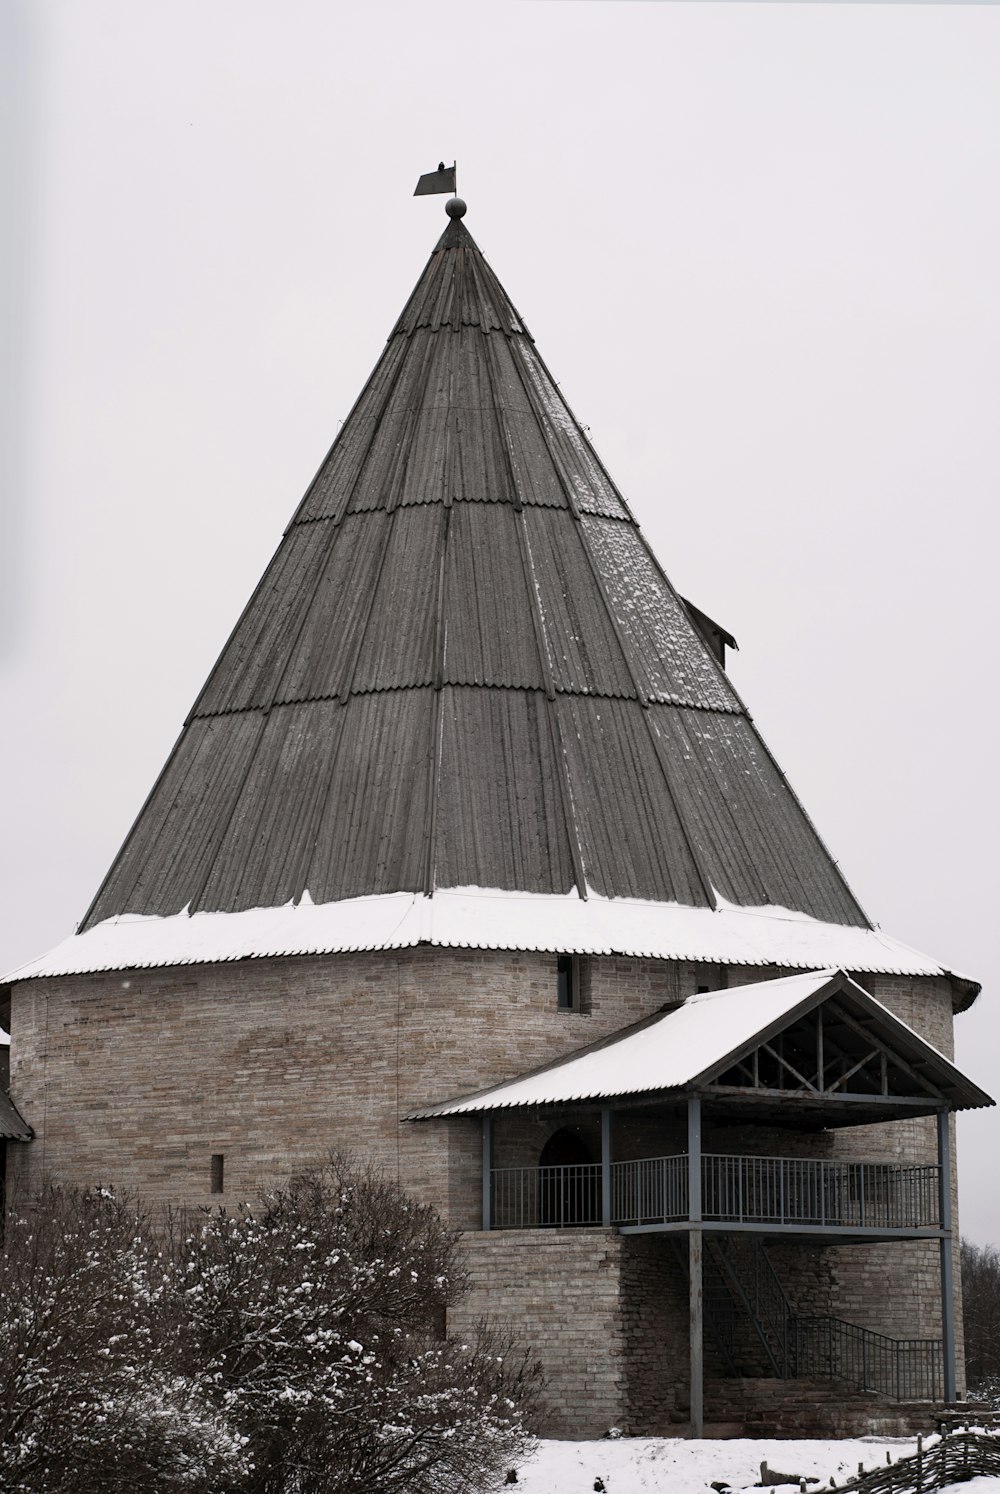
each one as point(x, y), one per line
point(465, 668)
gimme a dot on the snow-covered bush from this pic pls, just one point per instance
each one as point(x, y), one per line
point(291, 1348)
point(89, 1397)
point(318, 1320)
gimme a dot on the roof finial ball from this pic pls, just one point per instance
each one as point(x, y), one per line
point(455, 207)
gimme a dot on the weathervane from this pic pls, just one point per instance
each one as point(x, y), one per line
point(444, 179)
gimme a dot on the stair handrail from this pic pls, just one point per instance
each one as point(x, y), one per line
point(900, 1368)
point(801, 1344)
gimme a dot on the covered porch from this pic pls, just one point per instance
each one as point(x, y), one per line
point(668, 1117)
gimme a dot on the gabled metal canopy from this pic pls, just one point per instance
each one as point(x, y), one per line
point(465, 668)
point(712, 1044)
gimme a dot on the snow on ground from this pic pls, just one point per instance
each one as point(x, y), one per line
point(656, 1465)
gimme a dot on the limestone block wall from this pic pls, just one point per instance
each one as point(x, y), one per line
point(559, 1290)
point(139, 1079)
point(654, 1306)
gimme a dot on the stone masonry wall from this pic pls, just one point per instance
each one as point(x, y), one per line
point(139, 1079)
point(655, 1318)
point(558, 1290)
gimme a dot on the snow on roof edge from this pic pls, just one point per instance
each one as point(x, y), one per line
point(478, 918)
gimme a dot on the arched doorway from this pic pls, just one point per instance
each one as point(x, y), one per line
point(568, 1181)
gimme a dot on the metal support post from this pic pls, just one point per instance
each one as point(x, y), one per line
point(695, 1239)
point(607, 1140)
point(947, 1253)
point(488, 1170)
point(696, 1300)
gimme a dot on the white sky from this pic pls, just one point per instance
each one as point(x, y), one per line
point(757, 244)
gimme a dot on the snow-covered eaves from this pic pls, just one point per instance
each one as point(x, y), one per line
point(4, 1039)
point(692, 1044)
point(477, 918)
point(12, 1127)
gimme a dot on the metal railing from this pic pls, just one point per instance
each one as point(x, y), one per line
point(653, 1190)
point(738, 1190)
point(743, 1264)
point(812, 1347)
point(798, 1190)
point(902, 1369)
point(530, 1197)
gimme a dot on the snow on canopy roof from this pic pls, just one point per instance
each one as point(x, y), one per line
point(4, 1039)
point(693, 1043)
point(476, 918)
point(12, 1127)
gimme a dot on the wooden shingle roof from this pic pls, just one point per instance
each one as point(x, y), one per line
point(464, 667)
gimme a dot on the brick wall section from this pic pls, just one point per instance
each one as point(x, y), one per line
point(559, 1290)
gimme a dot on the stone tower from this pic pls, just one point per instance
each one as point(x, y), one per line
point(469, 794)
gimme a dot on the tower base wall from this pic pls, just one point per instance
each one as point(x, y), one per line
point(137, 1079)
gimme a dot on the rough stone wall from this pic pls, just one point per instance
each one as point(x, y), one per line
point(559, 1290)
point(654, 1298)
point(805, 1270)
point(138, 1080)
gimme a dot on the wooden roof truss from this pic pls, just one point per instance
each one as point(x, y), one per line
point(831, 1053)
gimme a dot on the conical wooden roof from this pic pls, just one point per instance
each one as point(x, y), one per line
point(465, 668)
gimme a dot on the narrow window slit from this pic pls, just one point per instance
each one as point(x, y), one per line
point(565, 983)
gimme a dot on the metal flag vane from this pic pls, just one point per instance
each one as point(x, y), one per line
point(444, 179)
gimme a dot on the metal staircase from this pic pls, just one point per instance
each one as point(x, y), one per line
point(740, 1280)
point(759, 1334)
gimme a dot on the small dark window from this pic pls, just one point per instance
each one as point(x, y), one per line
point(566, 983)
point(704, 990)
point(217, 1173)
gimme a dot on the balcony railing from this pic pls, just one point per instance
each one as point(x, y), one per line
point(740, 1190)
point(795, 1190)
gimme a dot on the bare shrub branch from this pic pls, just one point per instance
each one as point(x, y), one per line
point(294, 1347)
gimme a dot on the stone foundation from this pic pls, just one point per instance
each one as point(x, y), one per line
point(608, 1317)
point(807, 1408)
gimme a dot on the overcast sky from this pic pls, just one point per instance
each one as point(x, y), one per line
point(758, 244)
